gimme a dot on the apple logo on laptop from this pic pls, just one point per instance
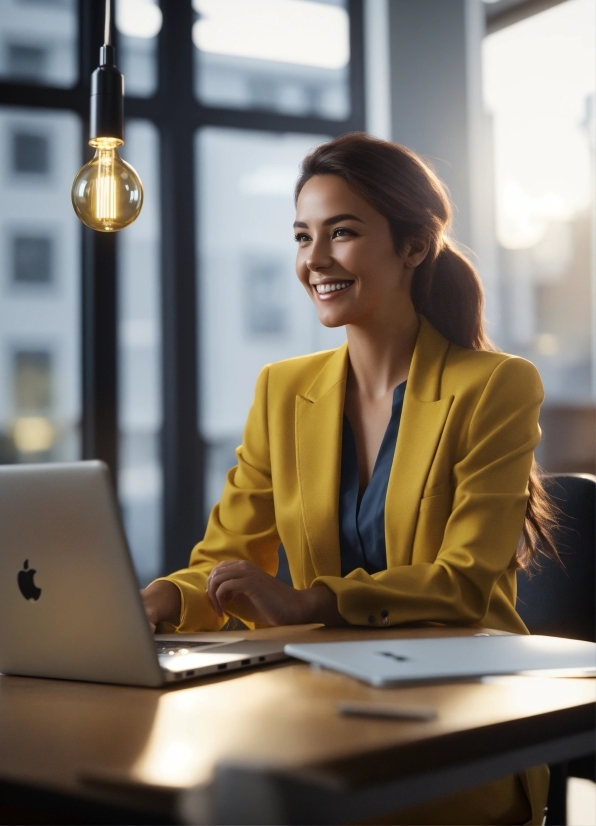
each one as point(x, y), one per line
point(27, 587)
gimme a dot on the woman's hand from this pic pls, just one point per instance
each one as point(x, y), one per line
point(162, 603)
point(243, 589)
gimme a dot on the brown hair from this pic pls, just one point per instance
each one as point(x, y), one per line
point(446, 288)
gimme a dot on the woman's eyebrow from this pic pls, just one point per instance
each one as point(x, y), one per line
point(345, 216)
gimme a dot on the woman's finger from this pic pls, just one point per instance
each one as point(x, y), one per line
point(213, 581)
point(219, 573)
point(227, 590)
point(232, 568)
point(225, 569)
point(212, 585)
point(214, 603)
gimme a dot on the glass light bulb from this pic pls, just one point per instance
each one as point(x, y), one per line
point(107, 193)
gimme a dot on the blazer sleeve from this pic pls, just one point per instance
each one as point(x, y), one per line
point(241, 525)
point(486, 520)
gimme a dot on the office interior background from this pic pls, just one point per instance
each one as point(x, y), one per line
point(143, 348)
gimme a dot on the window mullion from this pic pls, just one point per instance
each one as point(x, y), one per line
point(99, 317)
point(182, 450)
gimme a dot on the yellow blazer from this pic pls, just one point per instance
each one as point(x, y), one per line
point(455, 502)
point(454, 509)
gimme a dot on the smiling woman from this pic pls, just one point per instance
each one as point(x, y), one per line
point(397, 469)
point(372, 254)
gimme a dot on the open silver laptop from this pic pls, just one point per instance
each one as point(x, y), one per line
point(406, 661)
point(69, 601)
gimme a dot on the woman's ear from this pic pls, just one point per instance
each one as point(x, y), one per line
point(415, 250)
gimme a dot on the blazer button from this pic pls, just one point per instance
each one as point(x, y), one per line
point(371, 619)
point(384, 614)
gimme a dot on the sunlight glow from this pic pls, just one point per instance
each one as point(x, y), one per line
point(138, 18)
point(33, 434)
point(539, 82)
point(270, 179)
point(285, 31)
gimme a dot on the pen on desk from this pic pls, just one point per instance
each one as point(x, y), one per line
point(396, 712)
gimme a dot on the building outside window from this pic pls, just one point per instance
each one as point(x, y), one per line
point(30, 153)
point(33, 381)
point(32, 260)
point(33, 432)
point(539, 85)
point(265, 297)
point(40, 266)
point(38, 42)
point(26, 62)
point(287, 56)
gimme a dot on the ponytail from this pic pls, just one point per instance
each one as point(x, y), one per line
point(446, 288)
point(448, 292)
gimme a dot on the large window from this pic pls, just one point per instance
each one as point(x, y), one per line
point(122, 347)
point(288, 56)
point(539, 90)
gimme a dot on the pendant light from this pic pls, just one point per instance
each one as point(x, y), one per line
point(107, 194)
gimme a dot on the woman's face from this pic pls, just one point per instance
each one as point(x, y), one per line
point(346, 258)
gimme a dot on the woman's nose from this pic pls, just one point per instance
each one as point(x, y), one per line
point(319, 257)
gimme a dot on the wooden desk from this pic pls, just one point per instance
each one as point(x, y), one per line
point(268, 746)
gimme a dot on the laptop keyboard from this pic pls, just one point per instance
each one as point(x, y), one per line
point(173, 648)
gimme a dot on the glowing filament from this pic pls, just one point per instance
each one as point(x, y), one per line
point(106, 207)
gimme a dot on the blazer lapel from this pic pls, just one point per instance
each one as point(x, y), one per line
point(422, 421)
point(319, 423)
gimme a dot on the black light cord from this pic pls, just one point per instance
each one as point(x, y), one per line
point(107, 89)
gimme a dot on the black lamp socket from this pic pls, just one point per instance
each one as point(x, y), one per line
point(107, 97)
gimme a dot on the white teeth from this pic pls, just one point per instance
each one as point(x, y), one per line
point(330, 288)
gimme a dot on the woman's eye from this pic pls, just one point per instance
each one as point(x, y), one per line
point(300, 237)
point(341, 232)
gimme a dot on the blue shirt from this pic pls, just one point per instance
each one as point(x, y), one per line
point(362, 520)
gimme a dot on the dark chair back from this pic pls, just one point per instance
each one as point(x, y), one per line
point(557, 601)
point(560, 602)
